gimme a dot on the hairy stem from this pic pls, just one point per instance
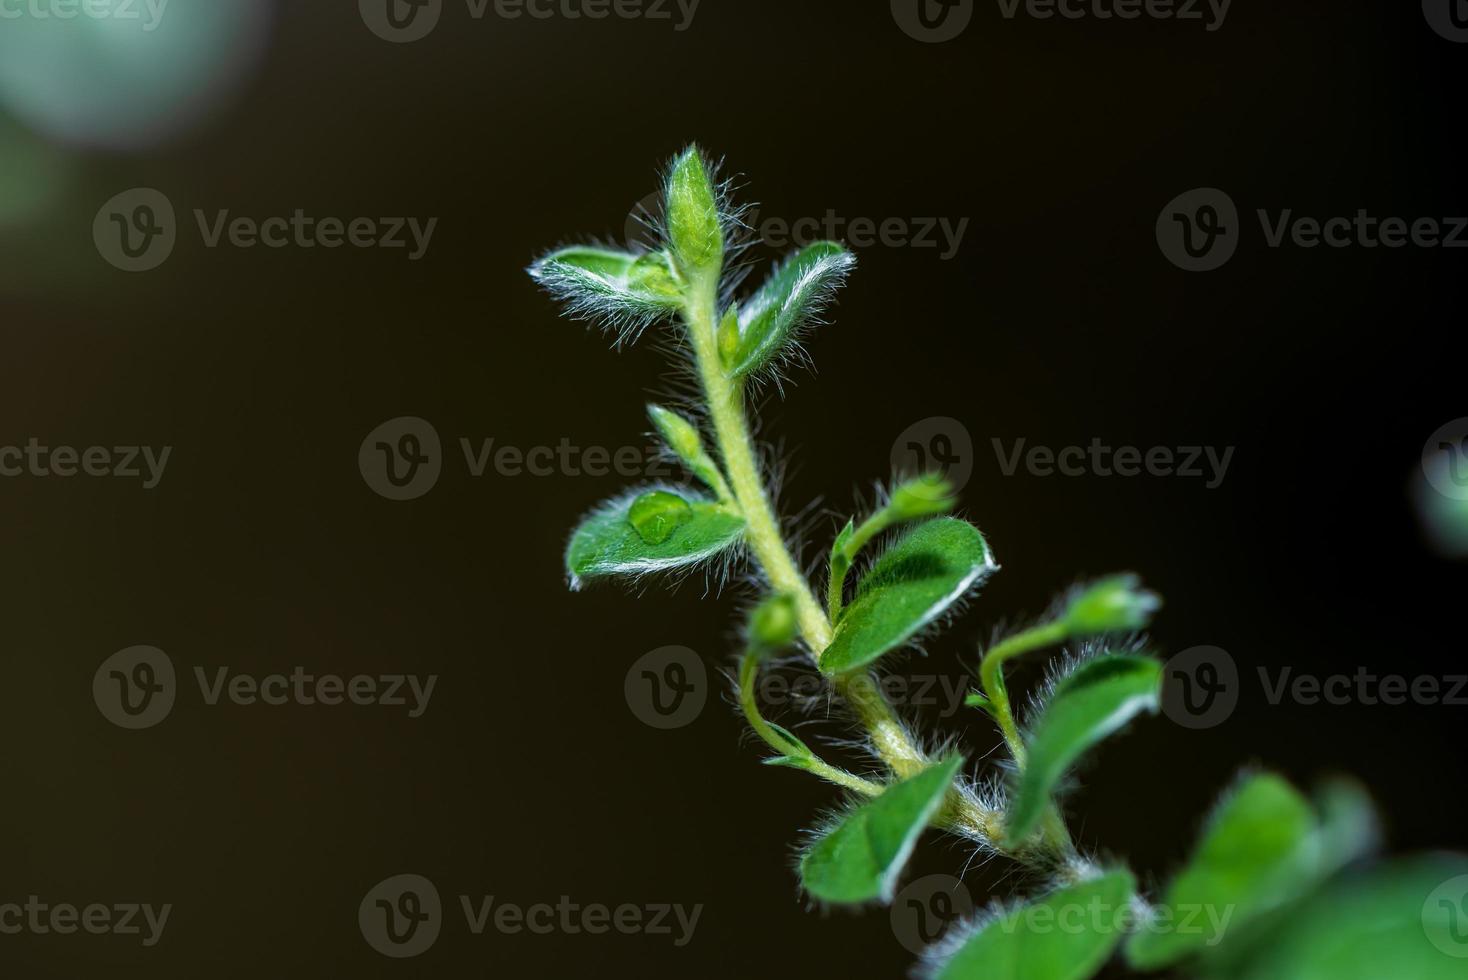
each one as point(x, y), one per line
point(992, 678)
point(963, 813)
point(809, 761)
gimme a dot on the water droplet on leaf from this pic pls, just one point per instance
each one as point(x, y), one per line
point(657, 514)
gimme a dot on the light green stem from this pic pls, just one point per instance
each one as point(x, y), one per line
point(962, 812)
point(726, 410)
point(810, 762)
point(991, 676)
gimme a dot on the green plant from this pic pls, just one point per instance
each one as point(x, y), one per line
point(1267, 873)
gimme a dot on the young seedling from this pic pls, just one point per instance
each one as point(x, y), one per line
point(1258, 899)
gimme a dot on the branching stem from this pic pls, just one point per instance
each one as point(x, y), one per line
point(964, 813)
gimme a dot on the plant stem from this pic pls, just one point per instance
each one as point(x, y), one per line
point(963, 813)
point(726, 410)
point(992, 677)
point(809, 761)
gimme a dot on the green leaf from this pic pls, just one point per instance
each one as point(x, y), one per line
point(622, 290)
point(1094, 702)
point(1408, 920)
point(1067, 935)
point(860, 859)
point(1260, 850)
point(695, 230)
point(658, 530)
point(797, 292)
point(911, 585)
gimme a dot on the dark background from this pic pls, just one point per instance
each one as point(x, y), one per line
point(528, 778)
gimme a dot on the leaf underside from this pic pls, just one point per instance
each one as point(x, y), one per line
point(624, 291)
point(797, 291)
